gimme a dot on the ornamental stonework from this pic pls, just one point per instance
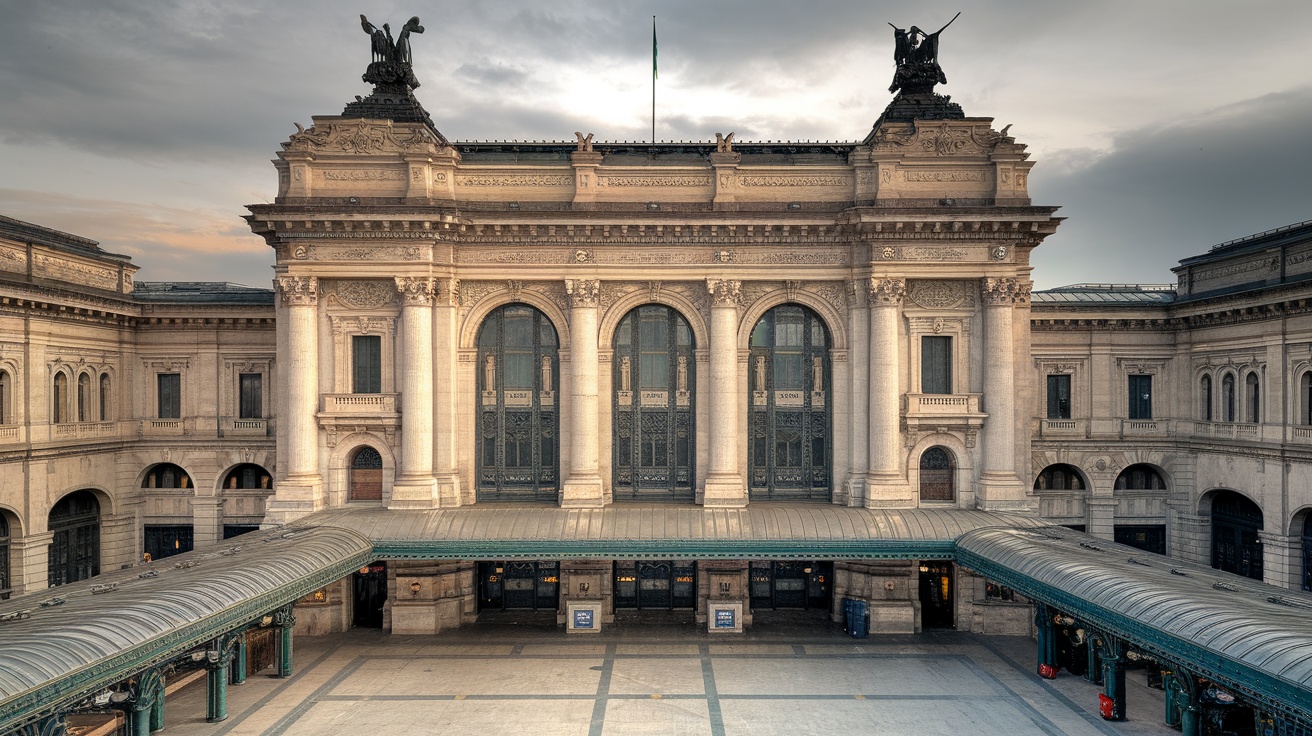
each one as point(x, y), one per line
point(415, 291)
point(298, 290)
point(1006, 290)
point(360, 136)
point(724, 293)
point(886, 292)
point(934, 294)
point(364, 294)
point(583, 293)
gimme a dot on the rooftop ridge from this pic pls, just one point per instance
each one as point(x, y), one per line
point(1259, 236)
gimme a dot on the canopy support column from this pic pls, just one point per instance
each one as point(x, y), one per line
point(1047, 633)
point(285, 622)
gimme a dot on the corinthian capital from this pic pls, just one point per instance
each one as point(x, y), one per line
point(886, 292)
point(1004, 291)
point(724, 293)
point(298, 290)
point(583, 292)
point(415, 291)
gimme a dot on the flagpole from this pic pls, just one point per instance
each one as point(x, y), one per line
point(653, 79)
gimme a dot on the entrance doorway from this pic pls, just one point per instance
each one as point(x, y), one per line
point(518, 586)
point(796, 585)
point(1236, 547)
point(370, 586)
point(936, 609)
point(656, 586)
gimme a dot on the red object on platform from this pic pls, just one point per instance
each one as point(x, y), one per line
point(1106, 707)
point(1048, 671)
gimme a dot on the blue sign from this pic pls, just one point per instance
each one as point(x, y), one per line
point(583, 618)
point(726, 618)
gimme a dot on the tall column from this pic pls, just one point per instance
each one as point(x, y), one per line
point(724, 478)
point(583, 488)
point(299, 488)
point(859, 358)
point(414, 487)
point(999, 486)
point(446, 392)
point(885, 485)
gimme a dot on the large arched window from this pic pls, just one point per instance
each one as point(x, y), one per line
point(84, 406)
point(1140, 477)
point(1228, 398)
point(789, 394)
point(106, 399)
point(6, 403)
point(653, 379)
point(249, 476)
point(166, 475)
point(937, 475)
point(4, 556)
point(1307, 552)
point(1059, 477)
point(518, 407)
point(1236, 546)
point(59, 399)
point(75, 545)
point(1252, 399)
point(366, 481)
point(1205, 398)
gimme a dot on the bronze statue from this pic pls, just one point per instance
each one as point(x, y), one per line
point(391, 58)
point(916, 55)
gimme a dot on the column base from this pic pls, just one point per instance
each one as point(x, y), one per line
point(419, 492)
point(856, 492)
point(295, 497)
point(583, 493)
point(448, 491)
point(1002, 491)
point(888, 490)
point(726, 492)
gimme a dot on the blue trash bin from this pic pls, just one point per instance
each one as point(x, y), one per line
point(858, 620)
point(847, 614)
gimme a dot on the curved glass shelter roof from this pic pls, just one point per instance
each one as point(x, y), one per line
point(1247, 636)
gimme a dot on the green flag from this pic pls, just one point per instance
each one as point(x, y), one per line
point(654, 75)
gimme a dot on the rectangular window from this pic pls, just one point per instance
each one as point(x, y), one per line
point(251, 402)
point(1059, 397)
point(170, 395)
point(1141, 397)
point(367, 358)
point(935, 365)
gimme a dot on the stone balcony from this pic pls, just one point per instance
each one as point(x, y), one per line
point(341, 414)
point(359, 404)
point(1145, 427)
point(74, 431)
point(11, 434)
point(245, 427)
point(950, 411)
point(1063, 428)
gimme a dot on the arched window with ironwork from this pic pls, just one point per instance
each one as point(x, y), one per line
point(1140, 477)
point(789, 394)
point(653, 374)
point(518, 378)
point(74, 552)
point(1236, 525)
point(366, 475)
point(1059, 477)
point(937, 475)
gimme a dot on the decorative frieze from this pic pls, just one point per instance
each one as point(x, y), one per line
point(583, 293)
point(794, 181)
point(515, 180)
point(934, 294)
point(364, 137)
point(653, 181)
point(298, 290)
point(363, 294)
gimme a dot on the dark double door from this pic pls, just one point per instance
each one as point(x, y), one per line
point(660, 585)
point(1236, 546)
point(791, 585)
point(519, 586)
point(937, 610)
point(369, 589)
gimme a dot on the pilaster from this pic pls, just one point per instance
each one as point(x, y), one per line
point(725, 487)
point(206, 521)
point(725, 162)
point(583, 488)
point(1282, 560)
point(585, 162)
point(414, 487)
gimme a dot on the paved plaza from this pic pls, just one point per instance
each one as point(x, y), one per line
point(792, 678)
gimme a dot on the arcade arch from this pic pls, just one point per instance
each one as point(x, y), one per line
point(74, 552)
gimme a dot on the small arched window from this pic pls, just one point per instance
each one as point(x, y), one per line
point(84, 398)
point(166, 475)
point(1205, 398)
point(1060, 477)
point(1305, 398)
point(4, 399)
point(248, 476)
point(1140, 477)
point(106, 406)
point(1228, 398)
point(1252, 399)
point(937, 475)
point(59, 399)
point(366, 481)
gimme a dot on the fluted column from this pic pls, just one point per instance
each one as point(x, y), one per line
point(446, 344)
point(299, 487)
point(885, 484)
point(583, 488)
point(414, 487)
point(999, 486)
point(724, 479)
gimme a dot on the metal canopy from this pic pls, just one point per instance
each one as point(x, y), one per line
point(780, 531)
point(1249, 637)
point(57, 655)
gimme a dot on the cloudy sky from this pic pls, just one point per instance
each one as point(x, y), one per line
point(1161, 127)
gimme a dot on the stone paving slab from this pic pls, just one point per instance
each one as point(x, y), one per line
point(663, 680)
